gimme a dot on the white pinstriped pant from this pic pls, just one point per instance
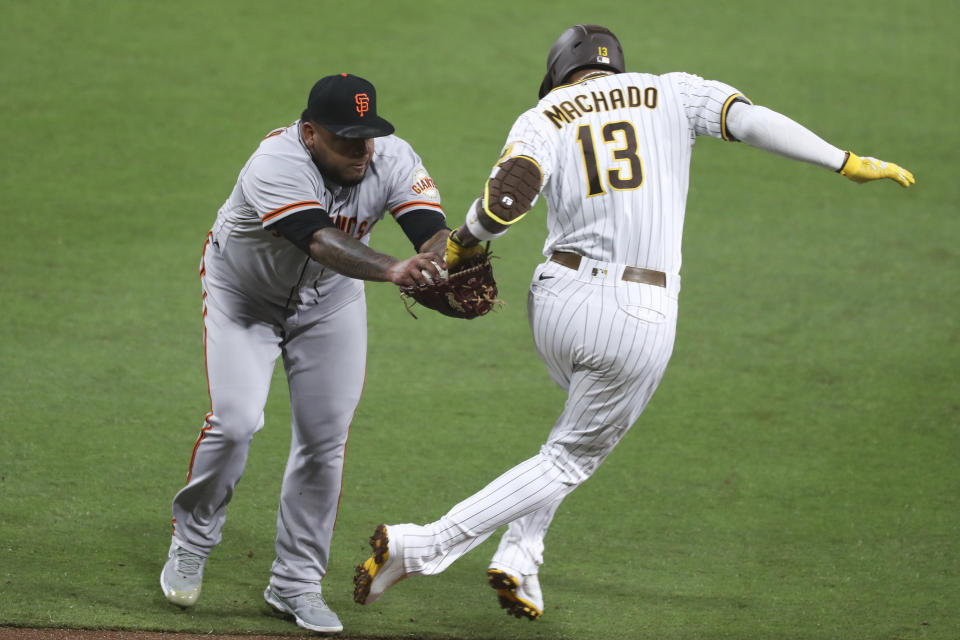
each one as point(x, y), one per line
point(607, 343)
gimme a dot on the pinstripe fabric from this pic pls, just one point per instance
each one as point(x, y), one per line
point(615, 153)
point(641, 226)
point(607, 342)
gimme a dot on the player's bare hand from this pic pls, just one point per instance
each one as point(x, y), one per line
point(866, 169)
point(421, 269)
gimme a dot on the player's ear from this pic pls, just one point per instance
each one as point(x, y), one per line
point(306, 128)
point(309, 131)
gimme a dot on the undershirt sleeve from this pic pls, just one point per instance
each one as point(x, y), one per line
point(299, 227)
point(766, 129)
point(421, 224)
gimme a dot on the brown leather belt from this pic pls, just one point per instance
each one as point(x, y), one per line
point(630, 274)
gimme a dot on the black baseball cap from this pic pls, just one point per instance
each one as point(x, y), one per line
point(346, 105)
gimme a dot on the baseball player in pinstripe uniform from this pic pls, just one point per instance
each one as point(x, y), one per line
point(282, 274)
point(610, 151)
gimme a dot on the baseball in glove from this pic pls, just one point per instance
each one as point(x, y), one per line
point(467, 292)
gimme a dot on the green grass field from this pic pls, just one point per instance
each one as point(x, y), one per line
point(795, 477)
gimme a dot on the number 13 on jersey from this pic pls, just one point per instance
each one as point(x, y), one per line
point(620, 139)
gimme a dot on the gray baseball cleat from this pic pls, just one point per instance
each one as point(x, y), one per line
point(381, 570)
point(182, 576)
point(310, 610)
point(519, 596)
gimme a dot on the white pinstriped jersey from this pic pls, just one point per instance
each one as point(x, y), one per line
point(615, 155)
point(280, 179)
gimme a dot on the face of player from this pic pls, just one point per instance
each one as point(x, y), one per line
point(343, 160)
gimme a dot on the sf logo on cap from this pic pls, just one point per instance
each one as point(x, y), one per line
point(363, 103)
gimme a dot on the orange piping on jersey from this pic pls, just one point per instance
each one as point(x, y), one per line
point(203, 254)
point(203, 297)
point(206, 372)
point(203, 434)
point(277, 132)
point(723, 114)
point(276, 212)
point(416, 203)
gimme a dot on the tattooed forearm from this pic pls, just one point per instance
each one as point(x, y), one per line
point(437, 243)
point(348, 256)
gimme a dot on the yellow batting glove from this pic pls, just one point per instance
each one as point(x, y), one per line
point(457, 254)
point(866, 169)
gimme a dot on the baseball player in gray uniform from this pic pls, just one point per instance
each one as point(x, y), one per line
point(610, 151)
point(281, 274)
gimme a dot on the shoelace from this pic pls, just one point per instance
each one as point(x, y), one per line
point(315, 600)
point(188, 563)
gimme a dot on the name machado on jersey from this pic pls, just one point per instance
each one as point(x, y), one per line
point(601, 101)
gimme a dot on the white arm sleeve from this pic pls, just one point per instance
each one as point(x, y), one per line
point(768, 130)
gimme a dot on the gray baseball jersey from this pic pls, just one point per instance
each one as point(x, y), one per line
point(615, 154)
point(280, 180)
point(264, 298)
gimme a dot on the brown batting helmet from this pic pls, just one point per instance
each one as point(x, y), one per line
point(583, 45)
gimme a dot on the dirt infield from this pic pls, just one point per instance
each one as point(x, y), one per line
point(13, 633)
point(17, 633)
